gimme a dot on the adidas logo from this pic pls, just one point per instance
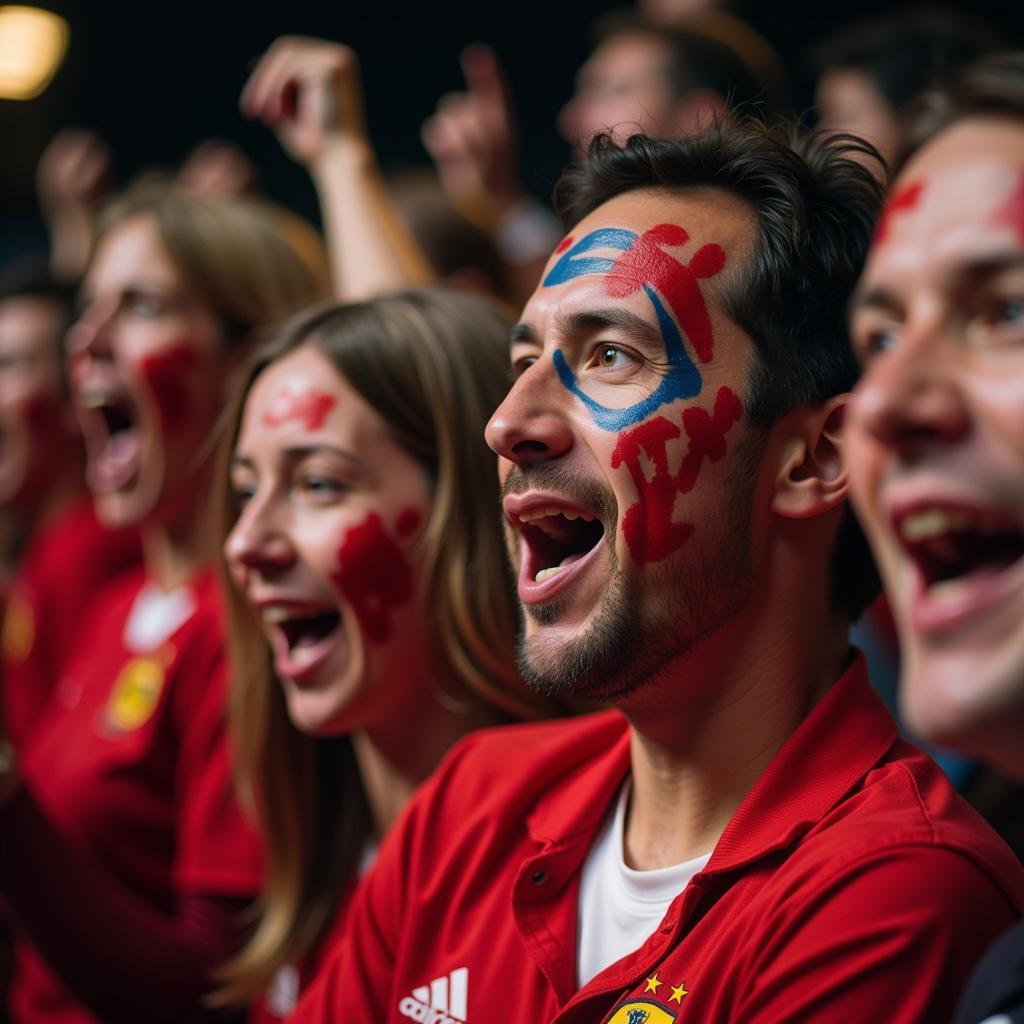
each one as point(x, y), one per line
point(443, 1001)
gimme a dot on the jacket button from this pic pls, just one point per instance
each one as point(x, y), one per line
point(539, 877)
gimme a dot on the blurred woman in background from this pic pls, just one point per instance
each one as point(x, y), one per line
point(122, 850)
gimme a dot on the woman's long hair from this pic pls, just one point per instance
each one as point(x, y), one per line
point(433, 363)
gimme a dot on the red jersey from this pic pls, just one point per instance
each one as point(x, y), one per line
point(131, 763)
point(852, 884)
point(289, 982)
point(64, 565)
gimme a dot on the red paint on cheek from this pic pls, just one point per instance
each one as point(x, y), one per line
point(564, 244)
point(310, 408)
point(903, 200)
point(648, 525)
point(646, 263)
point(167, 375)
point(374, 575)
point(1011, 213)
point(408, 522)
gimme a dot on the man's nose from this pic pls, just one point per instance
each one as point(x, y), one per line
point(912, 396)
point(531, 425)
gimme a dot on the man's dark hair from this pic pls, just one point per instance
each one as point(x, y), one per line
point(815, 211)
point(993, 87)
point(906, 52)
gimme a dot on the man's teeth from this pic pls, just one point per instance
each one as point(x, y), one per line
point(546, 573)
point(534, 514)
point(934, 522)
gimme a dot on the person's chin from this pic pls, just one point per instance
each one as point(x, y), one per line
point(963, 697)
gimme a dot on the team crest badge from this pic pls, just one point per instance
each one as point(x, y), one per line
point(136, 693)
point(642, 1011)
point(651, 1011)
point(19, 630)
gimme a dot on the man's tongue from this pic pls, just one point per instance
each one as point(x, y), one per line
point(564, 563)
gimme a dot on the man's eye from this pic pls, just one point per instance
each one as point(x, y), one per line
point(1009, 311)
point(999, 323)
point(612, 357)
point(873, 342)
point(521, 365)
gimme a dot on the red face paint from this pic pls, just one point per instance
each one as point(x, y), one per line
point(1011, 213)
point(310, 408)
point(374, 575)
point(168, 377)
point(645, 263)
point(903, 200)
point(564, 244)
point(648, 525)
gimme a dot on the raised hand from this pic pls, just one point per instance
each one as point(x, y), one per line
point(308, 91)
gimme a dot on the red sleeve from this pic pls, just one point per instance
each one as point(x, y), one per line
point(161, 964)
point(218, 850)
point(894, 938)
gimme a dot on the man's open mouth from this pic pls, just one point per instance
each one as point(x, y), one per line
point(555, 536)
point(960, 551)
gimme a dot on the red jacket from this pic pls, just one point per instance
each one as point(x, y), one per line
point(852, 884)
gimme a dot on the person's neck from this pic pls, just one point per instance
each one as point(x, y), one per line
point(396, 758)
point(705, 731)
point(175, 553)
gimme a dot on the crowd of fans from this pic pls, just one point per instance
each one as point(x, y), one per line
point(447, 616)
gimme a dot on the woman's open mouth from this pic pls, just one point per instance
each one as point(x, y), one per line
point(112, 437)
point(300, 637)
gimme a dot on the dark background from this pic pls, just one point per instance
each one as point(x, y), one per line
point(155, 79)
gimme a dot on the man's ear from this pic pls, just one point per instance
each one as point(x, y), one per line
point(812, 477)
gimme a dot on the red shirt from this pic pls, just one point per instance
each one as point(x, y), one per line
point(852, 884)
point(131, 763)
point(65, 564)
point(279, 999)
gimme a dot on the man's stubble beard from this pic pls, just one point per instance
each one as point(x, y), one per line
point(626, 646)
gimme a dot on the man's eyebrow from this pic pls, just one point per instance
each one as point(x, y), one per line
point(878, 297)
point(976, 268)
point(521, 332)
point(599, 319)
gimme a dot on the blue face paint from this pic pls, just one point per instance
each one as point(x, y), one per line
point(682, 380)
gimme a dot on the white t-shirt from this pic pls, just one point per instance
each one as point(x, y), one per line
point(621, 908)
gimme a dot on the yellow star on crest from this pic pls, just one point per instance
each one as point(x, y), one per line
point(679, 992)
point(654, 983)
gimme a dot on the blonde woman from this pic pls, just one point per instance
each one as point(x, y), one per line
point(121, 848)
point(372, 619)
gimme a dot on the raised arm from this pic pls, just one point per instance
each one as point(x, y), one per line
point(473, 140)
point(310, 93)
